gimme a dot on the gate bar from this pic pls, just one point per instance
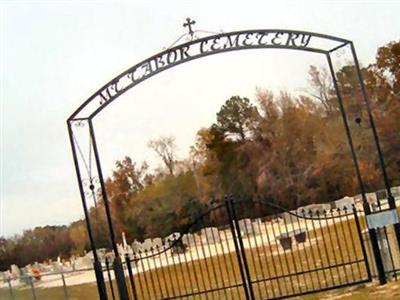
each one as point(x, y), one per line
point(241, 248)
point(117, 265)
point(237, 249)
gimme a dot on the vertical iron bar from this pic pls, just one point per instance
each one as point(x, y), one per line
point(178, 265)
point(109, 279)
point(193, 262)
point(242, 249)
point(218, 259)
point(211, 259)
point(318, 246)
point(64, 285)
point(251, 260)
point(390, 253)
point(287, 285)
point(305, 254)
point(346, 242)
point(10, 288)
point(372, 232)
point(285, 258)
point(259, 259)
point(363, 250)
point(335, 256)
point(101, 287)
point(339, 245)
point(264, 247)
point(274, 267)
point(146, 285)
point(392, 204)
point(136, 258)
point(200, 266)
point(325, 243)
point(183, 263)
point(162, 271)
point(353, 242)
point(312, 259)
point(131, 278)
point(170, 273)
point(32, 287)
point(237, 249)
point(150, 271)
point(231, 260)
point(296, 277)
point(118, 269)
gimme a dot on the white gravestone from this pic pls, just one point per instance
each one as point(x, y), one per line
point(189, 239)
point(136, 246)
point(211, 234)
point(371, 198)
point(172, 238)
point(15, 271)
point(395, 191)
point(345, 202)
point(247, 227)
point(157, 243)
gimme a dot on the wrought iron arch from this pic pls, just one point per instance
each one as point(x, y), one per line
point(80, 125)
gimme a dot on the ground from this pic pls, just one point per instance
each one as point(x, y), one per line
point(390, 291)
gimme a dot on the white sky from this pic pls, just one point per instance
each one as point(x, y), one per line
point(55, 54)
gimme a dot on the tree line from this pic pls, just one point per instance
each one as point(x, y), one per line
point(289, 149)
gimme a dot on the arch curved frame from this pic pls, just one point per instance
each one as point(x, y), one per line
point(81, 128)
point(210, 45)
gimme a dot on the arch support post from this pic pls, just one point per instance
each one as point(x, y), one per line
point(98, 269)
point(390, 198)
point(118, 268)
point(372, 231)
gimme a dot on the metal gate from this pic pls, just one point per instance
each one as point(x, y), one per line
point(252, 249)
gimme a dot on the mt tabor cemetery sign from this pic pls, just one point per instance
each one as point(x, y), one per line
point(202, 47)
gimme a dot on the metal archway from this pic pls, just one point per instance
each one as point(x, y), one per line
point(80, 125)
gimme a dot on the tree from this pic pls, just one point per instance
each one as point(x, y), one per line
point(165, 148)
point(388, 60)
point(321, 88)
point(238, 118)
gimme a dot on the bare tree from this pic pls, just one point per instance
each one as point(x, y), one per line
point(165, 148)
point(321, 87)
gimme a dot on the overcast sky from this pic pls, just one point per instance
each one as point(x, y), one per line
point(55, 54)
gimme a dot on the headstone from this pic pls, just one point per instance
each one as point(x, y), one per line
point(124, 243)
point(395, 191)
point(27, 269)
point(121, 249)
point(381, 195)
point(211, 234)
point(289, 218)
point(314, 209)
point(83, 262)
point(101, 253)
point(344, 202)
point(136, 246)
point(371, 198)
point(147, 245)
point(67, 265)
point(4, 276)
point(56, 266)
point(247, 228)
point(189, 239)
point(157, 242)
point(172, 237)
